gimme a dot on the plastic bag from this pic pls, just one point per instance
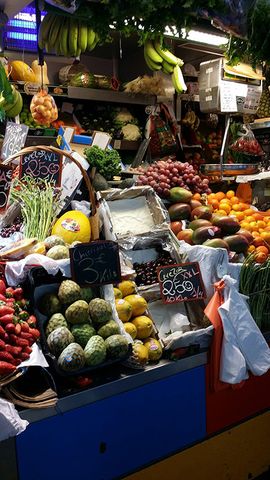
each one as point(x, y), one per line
point(161, 129)
point(10, 422)
point(246, 147)
point(43, 108)
point(243, 341)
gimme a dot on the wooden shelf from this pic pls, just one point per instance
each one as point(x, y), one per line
point(109, 96)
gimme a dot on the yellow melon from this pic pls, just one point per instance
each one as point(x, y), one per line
point(124, 309)
point(144, 326)
point(131, 329)
point(117, 293)
point(154, 349)
point(138, 304)
point(73, 226)
point(127, 287)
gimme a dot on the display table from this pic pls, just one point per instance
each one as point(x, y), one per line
point(116, 428)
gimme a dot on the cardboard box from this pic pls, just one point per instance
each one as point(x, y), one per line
point(220, 91)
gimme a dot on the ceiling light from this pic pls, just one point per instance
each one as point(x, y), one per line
point(197, 36)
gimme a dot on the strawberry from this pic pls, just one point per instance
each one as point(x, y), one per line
point(18, 329)
point(2, 332)
point(15, 351)
point(10, 328)
point(2, 345)
point(6, 368)
point(35, 333)
point(25, 327)
point(7, 357)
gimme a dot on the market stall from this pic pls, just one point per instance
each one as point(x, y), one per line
point(134, 240)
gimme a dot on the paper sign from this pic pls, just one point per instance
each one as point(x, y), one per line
point(181, 283)
point(101, 140)
point(252, 100)
point(95, 263)
point(227, 97)
point(5, 182)
point(14, 140)
point(41, 164)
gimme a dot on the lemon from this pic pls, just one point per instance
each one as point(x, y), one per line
point(138, 304)
point(124, 309)
point(127, 287)
point(140, 353)
point(144, 326)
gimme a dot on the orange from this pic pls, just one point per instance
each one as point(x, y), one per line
point(236, 207)
point(242, 206)
point(230, 194)
point(267, 229)
point(239, 215)
point(234, 200)
point(221, 212)
point(244, 224)
point(261, 224)
point(262, 249)
point(249, 211)
point(249, 218)
point(257, 216)
point(266, 236)
point(197, 196)
point(254, 233)
point(220, 195)
point(260, 257)
point(254, 227)
point(214, 202)
point(225, 207)
point(258, 242)
point(251, 248)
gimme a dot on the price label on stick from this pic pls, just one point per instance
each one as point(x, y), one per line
point(14, 139)
point(95, 263)
point(5, 182)
point(41, 164)
point(181, 283)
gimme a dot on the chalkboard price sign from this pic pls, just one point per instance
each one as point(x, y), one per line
point(41, 164)
point(95, 263)
point(5, 182)
point(181, 283)
point(14, 140)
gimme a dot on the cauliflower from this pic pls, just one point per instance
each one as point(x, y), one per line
point(131, 132)
point(124, 116)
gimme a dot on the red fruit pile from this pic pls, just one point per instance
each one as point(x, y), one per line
point(249, 147)
point(18, 329)
point(163, 175)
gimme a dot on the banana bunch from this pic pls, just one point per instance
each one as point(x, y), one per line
point(158, 57)
point(13, 109)
point(66, 36)
point(191, 120)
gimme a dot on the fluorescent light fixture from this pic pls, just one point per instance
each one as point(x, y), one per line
point(198, 37)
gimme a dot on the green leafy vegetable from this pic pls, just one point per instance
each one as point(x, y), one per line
point(107, 162)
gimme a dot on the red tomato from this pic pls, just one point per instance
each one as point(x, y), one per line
point(176, 227)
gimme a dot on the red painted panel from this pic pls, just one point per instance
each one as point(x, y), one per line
point(230, 406)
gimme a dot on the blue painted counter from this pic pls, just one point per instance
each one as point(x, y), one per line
point(112, 430)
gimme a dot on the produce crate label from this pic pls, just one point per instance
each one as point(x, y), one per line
point(41, 164)
point(31, 88)
point(14, 140)
point(95, 263)
point(5, 182)
point(181, 283)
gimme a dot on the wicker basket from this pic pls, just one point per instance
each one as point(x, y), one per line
point(94, 220)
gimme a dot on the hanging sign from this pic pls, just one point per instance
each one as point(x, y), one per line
point(181, 283)
point(14, 140)
point(42, 164)
point(5, 183)
point(95, 263)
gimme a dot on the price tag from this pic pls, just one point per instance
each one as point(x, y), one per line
point(252, 100)
point(31, 88)
point(227, 97)
point(5, 182)
point(95, 263)
point(101, 140)
point(41, 164)
point(14, 140)
point(181, 283)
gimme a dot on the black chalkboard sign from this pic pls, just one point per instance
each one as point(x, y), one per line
point(5, 182)
point(95, 263)
point(41, 164)
point(181, 283)
point(14, 139)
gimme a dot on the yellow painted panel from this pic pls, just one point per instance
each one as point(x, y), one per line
point(237, 454)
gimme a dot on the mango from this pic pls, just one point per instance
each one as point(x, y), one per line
point(237, 243)
point(216, 243)
point(199, 223)
point(200, 235)
point(228, 225)
point(201, 212)
point(178, 194)
point(179, 211)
